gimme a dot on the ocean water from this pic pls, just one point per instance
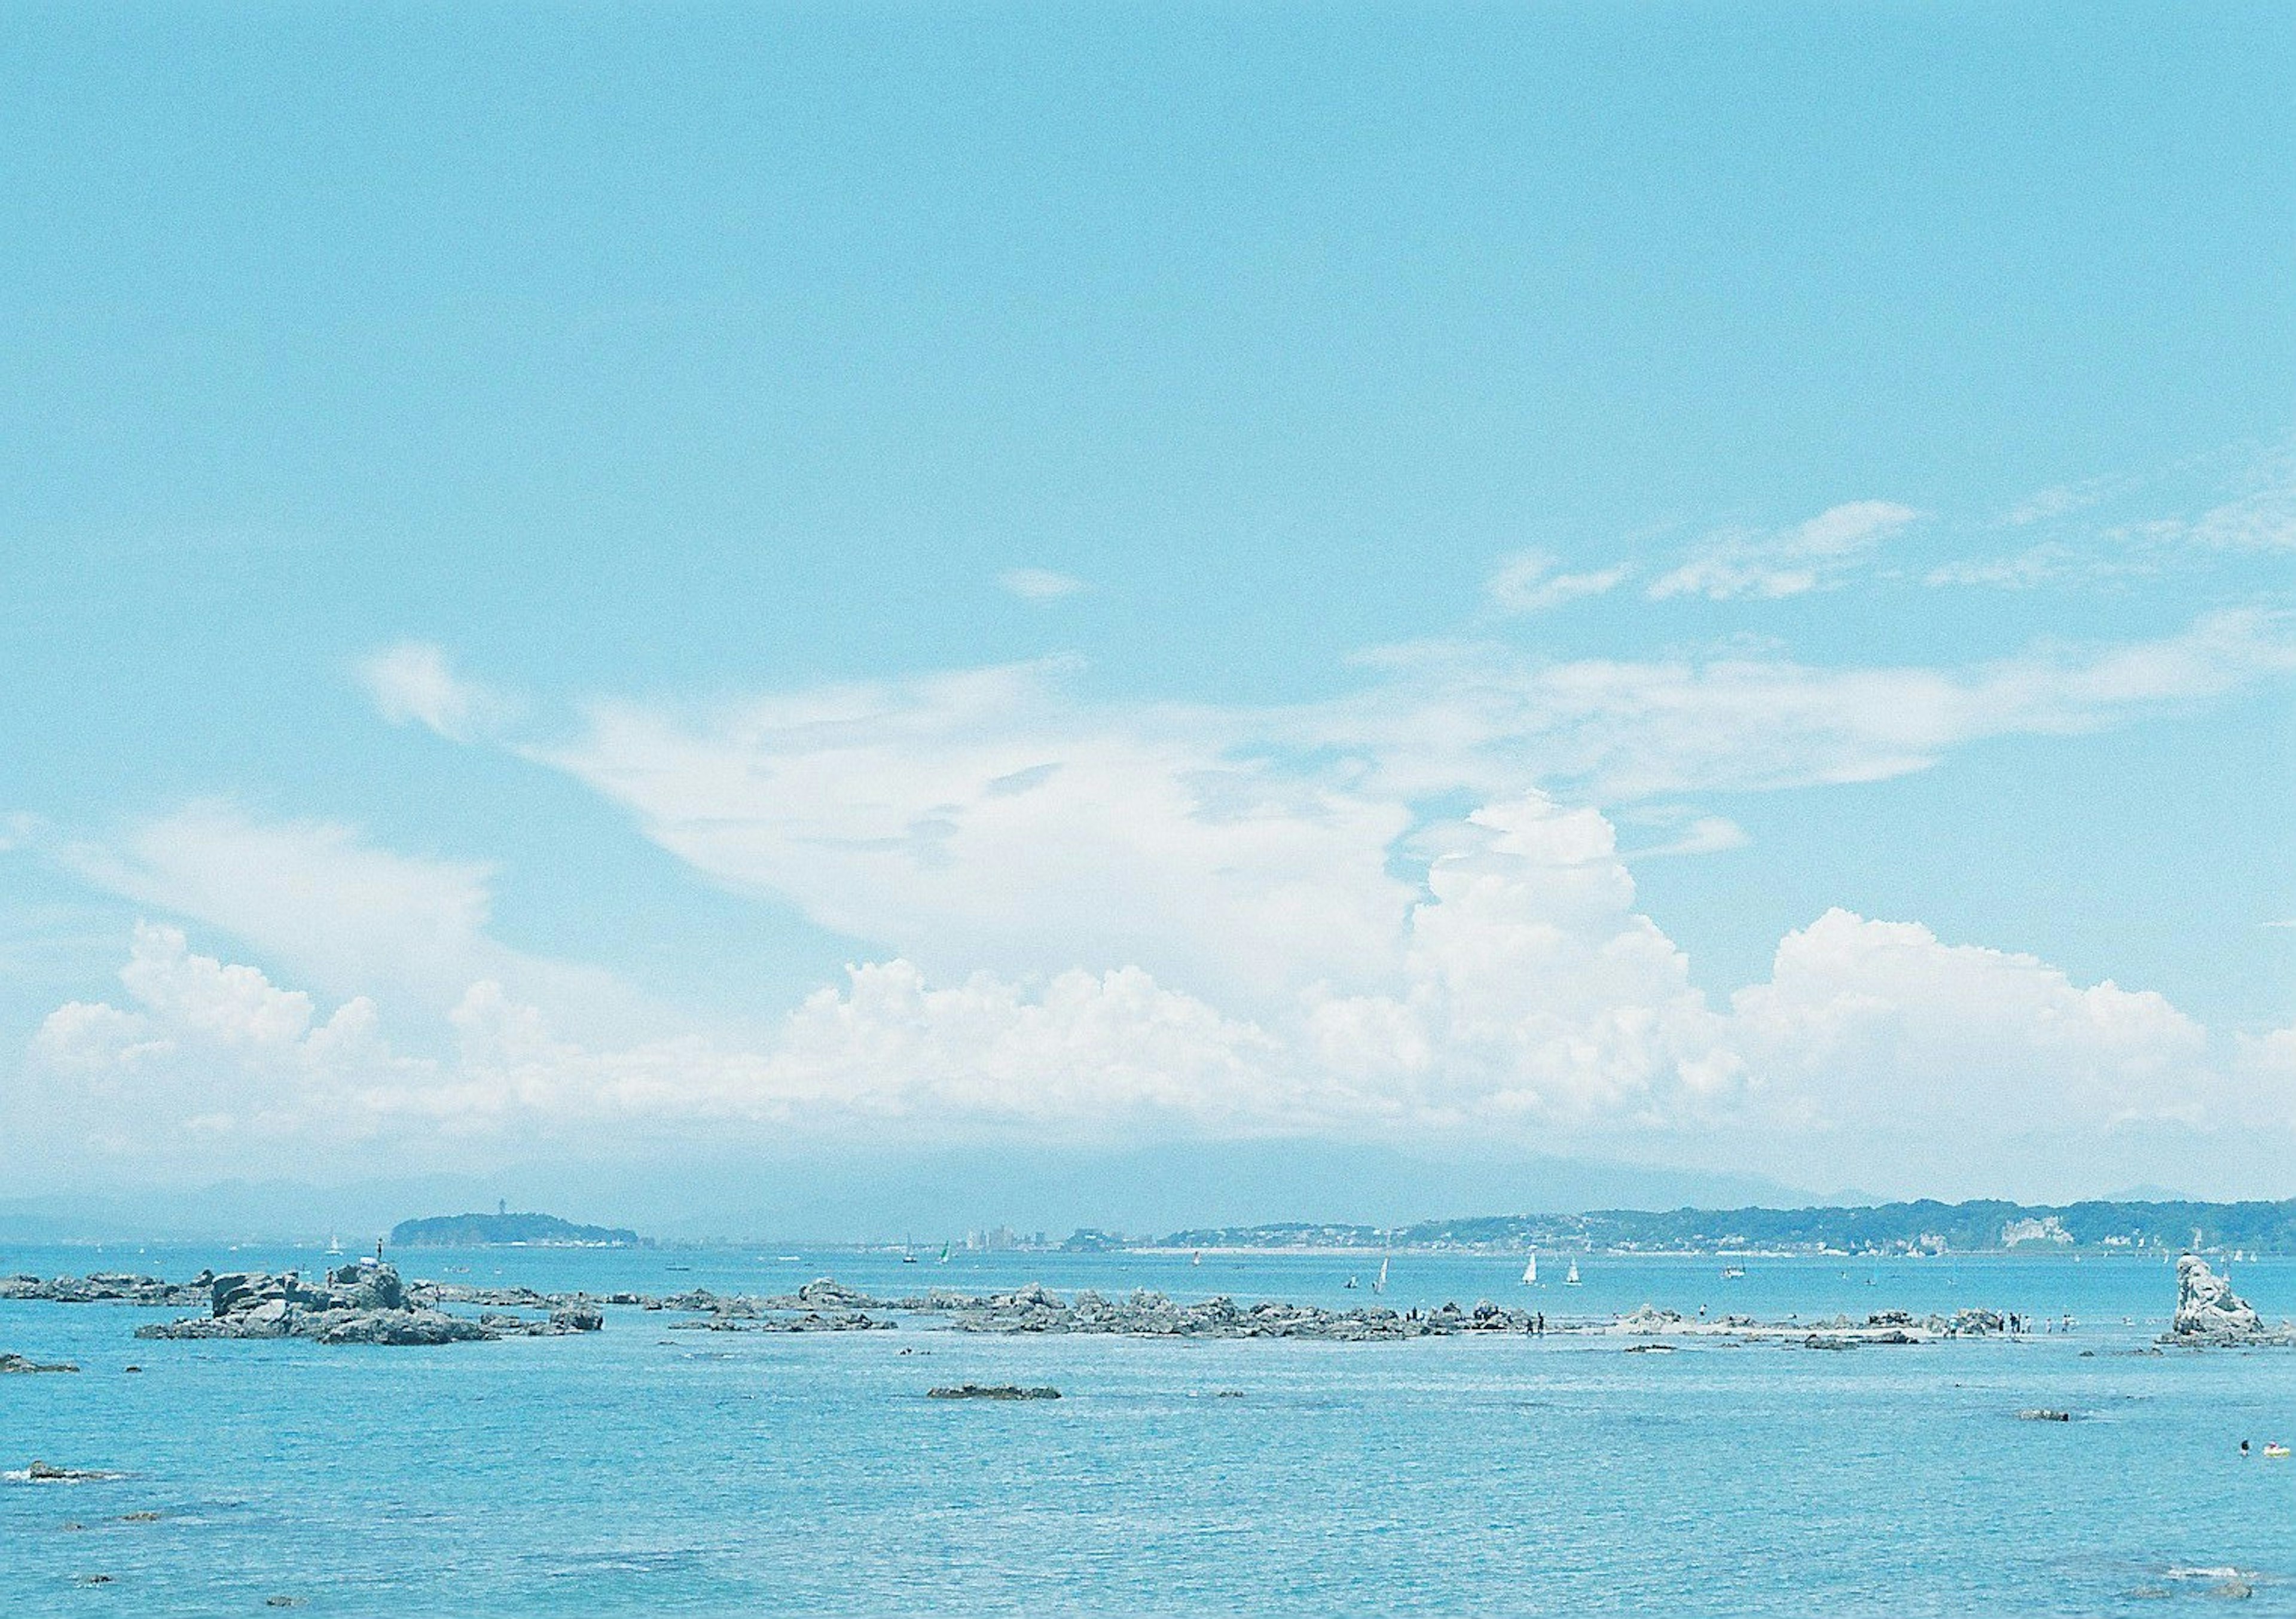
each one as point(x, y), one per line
point(645, 1472)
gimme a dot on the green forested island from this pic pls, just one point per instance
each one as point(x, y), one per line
point(1924, 1227)
point(506, 1229)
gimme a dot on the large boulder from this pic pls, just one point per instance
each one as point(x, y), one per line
point(2208, 1307)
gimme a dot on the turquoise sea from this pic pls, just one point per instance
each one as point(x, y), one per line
point(645, 1472)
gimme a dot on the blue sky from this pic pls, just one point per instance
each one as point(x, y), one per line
point(1698, 584)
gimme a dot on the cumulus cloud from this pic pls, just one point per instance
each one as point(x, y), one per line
point(1878, 1024)
point(413, 683)
point(1040, 585)
point(1526, 1003)
point(1529, 582)
point(1813, 555)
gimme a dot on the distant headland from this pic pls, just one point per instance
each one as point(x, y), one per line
point(505, 1229)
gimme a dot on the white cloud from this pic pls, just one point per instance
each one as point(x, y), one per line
point(413, 683)
point(986, 820)
point(1706, 835)
point(1487, 720)
point(334, 909)
point(1788, 562)
point(1528, 582)
point(2148, 535)
point(1880, 1025)
point(992, 819)
point(1526, 1003)
point(1039, 584)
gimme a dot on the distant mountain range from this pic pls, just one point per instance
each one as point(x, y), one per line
point(1924, 1227)
point(506, 1231)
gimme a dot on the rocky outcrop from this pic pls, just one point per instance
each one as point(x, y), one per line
point(991, 1391)
point(812, 1321)
point(2210, 1315)
point(110, 1287)
point(2208, 1307)
point(1145, 1313)
point(356, 1305)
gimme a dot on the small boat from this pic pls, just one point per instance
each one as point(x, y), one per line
point(1348, 1283)
point(909, 1259)
point(334, 1243)
point(1530, 1269)
point(1381, 1285)
point(1197, 1257)
point(943, 1254)
point(2276, 1449)
point(1571, 1280)
point(1733, 1273)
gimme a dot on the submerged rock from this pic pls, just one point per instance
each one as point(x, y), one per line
point(16, 1363)
point(991, 1391)
point(2043, 1414)
point(42, 1473)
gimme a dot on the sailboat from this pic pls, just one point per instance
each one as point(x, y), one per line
point(1530, 1271)
point(1571, 1280)
point(943, 1254)
point(334, 1243)
point(1197, 1257)
point(1381, 1285)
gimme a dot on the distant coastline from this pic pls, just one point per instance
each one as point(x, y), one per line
point(505, 1229)
point(1920, 1229)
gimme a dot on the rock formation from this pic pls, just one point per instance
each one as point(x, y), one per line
point(110, 1288)
point(2210, 1312)
point(356, 1305)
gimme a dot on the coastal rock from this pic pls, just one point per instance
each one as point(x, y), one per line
point(109, 1287)
point(42, 1473)
point(991, 1391)
point(826, 1293)
point(15, 1364)
point(811, 1321)
point(2207, 1307)
point(577, 1318)
point(356, 1305)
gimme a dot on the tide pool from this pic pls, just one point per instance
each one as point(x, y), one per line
point(639, 1471)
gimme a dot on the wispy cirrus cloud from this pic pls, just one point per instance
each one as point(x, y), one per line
point(1531, 582)
point(413, 683)
point(1040, 585)
point(1813, 555)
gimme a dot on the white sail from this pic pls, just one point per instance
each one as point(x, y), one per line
point(1530, 1271)
point(1571, 1280)
point(1381, 1285)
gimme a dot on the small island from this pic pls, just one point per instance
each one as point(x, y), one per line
point(503, 1229)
